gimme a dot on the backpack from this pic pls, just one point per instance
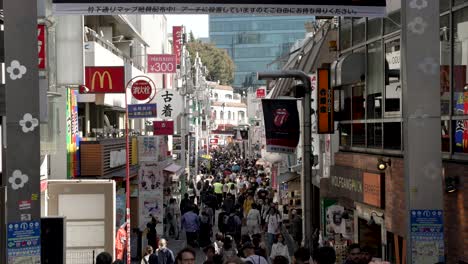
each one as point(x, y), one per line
point(230, 223)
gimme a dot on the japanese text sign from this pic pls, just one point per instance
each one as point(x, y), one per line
point(261, 93)
point(170, 104)
point(351, 8)
point(325, 102)
point(177, 32)
point(142, 111)
point(105, 80)
point(41, 46)
point(161, 63)
point(213, 141)
point(427, 235)
point(141, 90)
point(163, 128)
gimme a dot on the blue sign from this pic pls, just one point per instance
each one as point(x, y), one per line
point(24, 241)
point(427, 236)
point(142, 111)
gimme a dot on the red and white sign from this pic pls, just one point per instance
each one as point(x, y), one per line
point(163, 128)
point(177, 32)
point(105, 80)
point(213, 141)
point(24, 205)
point(261, 93)
point(141, 90)
point(161, 63)
point(41, 46)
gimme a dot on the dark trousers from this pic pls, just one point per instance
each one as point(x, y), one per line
point(219, 197)
point(192, 239)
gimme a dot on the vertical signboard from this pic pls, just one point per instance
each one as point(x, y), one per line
point(177, 32)
point(427, 235)
point(41, 46)
point(325, 102)
point(21, 142)
point(72, 134)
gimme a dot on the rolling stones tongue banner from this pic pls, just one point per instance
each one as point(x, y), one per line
point(281, 125)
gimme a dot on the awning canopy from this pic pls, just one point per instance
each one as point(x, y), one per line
point(176, 170)
point(288, 176)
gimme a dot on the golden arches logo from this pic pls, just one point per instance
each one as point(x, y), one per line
point(101, 79)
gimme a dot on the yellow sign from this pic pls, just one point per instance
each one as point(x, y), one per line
point(101, 79)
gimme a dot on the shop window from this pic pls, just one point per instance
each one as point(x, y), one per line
point(460, 62)
point(444, 5)
point(358, 104)
point(345, 102)
point(375, 81)
point(374, 28)
point(370, 237)
point(392, 136)
point(359, 30)
point(445, 129)
point(345, 135)
point(393, 89)
point(445, 65)
point(460, 136)
point(345, 33)
point(359, 135)
point(374, 135)
point(459, 2)
point(392, 22)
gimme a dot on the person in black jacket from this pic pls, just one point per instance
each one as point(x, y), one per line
point(185, 204)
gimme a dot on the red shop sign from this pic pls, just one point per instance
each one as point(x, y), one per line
point(161, 63)
point(261, 93)
point(177, 32)
point(41, 46)
point(163, 128)
point(105, 79)
point(141, 90)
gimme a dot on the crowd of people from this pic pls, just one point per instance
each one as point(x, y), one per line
point(232, 214)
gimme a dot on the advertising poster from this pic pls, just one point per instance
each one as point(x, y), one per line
point(24, 242)
point(151, 205)
point(147, 149)
point(337, 224)
point(72, 135)
point(427, 236)
point(281, 125)
point(151, 179)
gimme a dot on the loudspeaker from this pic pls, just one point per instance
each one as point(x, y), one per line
point(53, 240)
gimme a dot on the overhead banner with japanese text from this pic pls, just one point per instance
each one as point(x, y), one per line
point(177, 32)
point(346, 8)
point(281, 125)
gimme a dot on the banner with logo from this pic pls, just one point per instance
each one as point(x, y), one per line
point(163, 127)
point(349, 8)
point(104, 80)
point(177, 32)
point(281, 125)
point(73, 138)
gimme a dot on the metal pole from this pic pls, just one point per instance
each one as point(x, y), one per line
point(183, 152)
point(127, 180)
point(309, 207)
point(421, 112)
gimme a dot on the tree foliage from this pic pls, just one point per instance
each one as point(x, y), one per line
point(220, 66)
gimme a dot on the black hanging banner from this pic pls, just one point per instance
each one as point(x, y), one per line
point(345, 8)
point(281, 125)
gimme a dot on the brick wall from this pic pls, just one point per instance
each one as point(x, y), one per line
point(455, 204)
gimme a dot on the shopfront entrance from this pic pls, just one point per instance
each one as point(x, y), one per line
point(370, 237)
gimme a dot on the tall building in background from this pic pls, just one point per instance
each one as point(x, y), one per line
point(256, 43)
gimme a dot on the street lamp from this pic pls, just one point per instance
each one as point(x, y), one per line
point(310, 211)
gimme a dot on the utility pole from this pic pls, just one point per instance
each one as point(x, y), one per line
point(421, 112)
point(310, 210)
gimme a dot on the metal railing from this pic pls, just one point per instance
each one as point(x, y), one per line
point(80, 256)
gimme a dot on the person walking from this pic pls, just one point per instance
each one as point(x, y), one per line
point(218, 190)
point(186, 256)
point(163, 255)
point(204, 238)
point(104, 258)
point(248, 204)
point(296, 227)
point(173, 217)
point(185, 204)
point(324, 255)
point(228, 250)
point(253, 220)
point(148, 253)
point(151, 233)
point(190, 222)
point(250, 257)
point(279, 248)
point(273, 224)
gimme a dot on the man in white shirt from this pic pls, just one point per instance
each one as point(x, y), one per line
point(250, 258)
point(273, 222)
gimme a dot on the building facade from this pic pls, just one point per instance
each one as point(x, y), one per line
point(359, 201)
point(256, 43)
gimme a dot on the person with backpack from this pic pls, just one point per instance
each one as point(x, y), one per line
point(148, 253)
point(233, 225)
point(205, 233)
point(250, 257)
point(273, 225)
point(172, 217)
point(228, 250)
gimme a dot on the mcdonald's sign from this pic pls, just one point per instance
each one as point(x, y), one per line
point(105, 80)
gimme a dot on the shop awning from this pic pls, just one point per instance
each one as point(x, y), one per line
point(176, 170)
point(288, 177)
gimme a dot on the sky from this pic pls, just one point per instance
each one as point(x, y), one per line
point(198, 24)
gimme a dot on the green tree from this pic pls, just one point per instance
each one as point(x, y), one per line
point(191, 37)
point(220, 65)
